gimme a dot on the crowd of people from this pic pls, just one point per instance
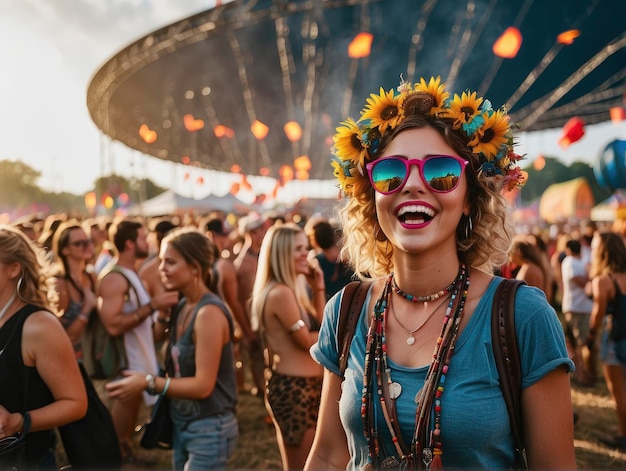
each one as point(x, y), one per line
point(202, 311)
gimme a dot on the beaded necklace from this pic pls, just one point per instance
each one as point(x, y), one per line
point(429, 297)
point(426, 447)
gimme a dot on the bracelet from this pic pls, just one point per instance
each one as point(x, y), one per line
point(25, 423)
point(296, 327)
point(320, 289)
point(166, 387)
point(164, 320)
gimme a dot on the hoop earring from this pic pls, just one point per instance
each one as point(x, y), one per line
point(18, 287)
point(468, 226)
point(379, 235)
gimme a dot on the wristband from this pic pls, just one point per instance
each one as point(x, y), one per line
point(25, 423)
point(166, 387)
point(151, 385)
point(164, 320)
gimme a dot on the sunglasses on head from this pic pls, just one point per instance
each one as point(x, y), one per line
point(441, 173)
point(84, 243)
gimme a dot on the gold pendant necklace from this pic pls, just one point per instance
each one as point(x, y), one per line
point(411, 338)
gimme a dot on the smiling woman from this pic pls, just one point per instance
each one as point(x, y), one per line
point(422, 172)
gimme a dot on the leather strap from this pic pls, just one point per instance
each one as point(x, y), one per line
point(351, 304)
point(507, 358)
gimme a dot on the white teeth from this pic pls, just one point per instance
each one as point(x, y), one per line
point(416, 208)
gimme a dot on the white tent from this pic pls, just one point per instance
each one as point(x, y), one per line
point(170, 202)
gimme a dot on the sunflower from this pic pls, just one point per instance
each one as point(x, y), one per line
point(348, 141)
point(464, 109)
point(492, 135)
point(437, 90)
point(382, 110)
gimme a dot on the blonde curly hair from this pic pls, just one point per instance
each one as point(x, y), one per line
point(489, 241)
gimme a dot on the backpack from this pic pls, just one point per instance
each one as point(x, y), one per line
point(104, 355)
point(503, 339)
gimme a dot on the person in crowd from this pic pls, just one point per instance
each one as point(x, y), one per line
point(531, 268)
point(337, 273)
point(96, 230)
point(73, 297)
point(608, 285)
point(51, 224)
point(125, 308)
point(423, 174)
point(556, 259)
point(34, 353)
point(542, 251)
point(253, 227)
point(225, 285)
point(201, 374)
point(149, 269)
point(289, 320)
point(577, 307)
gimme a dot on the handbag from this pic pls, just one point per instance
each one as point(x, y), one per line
point(92, 442)
point(13, 452)
point(158, 431)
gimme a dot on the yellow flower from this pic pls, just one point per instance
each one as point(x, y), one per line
point(382, 110)
point(436, 89)
point(464, 108)
point(490, 137)
point(348, 145)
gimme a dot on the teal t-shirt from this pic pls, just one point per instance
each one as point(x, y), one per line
point(475, 424)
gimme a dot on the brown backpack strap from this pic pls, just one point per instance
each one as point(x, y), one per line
point(507, 357)
point(352, 299)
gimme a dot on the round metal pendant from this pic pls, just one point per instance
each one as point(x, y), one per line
point(410, 340)
point(395, 389)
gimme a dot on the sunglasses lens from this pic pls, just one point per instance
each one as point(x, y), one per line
point(442, 173)
point(388, 175)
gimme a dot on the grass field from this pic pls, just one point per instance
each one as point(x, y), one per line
point(257, 448)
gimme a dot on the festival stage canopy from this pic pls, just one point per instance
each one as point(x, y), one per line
point(195, 91)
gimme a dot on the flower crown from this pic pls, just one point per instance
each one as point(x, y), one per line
point(488, 131)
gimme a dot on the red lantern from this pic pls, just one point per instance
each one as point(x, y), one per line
point(259, 130)
point(192, 124)
point(147, 134)
point(540, 163)
point(572, 132)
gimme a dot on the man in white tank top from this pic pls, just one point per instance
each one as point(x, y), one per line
point(125, 308)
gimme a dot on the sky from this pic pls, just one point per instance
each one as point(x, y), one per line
point(49, 50)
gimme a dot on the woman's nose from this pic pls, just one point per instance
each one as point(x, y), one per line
point(414, 181)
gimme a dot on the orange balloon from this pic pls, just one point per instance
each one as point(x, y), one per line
point(302, 175)
point(192, 124)
point(259, 130)
point(185, 160)
point(90, 200)
point(566, 38)
point(302, 163)
point(360, 46)
point(539, 163)
point(235, 168)
point(293, 131)
point(508, 44)
point(617, 113)
point(286, 173)
point(148, 135)
point(264, 171)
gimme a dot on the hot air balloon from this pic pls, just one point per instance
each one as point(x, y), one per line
point(610, 169)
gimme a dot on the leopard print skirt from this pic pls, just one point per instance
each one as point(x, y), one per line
point(294, 403)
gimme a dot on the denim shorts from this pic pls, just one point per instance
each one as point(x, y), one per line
point(611, 353)
point(205, 443)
